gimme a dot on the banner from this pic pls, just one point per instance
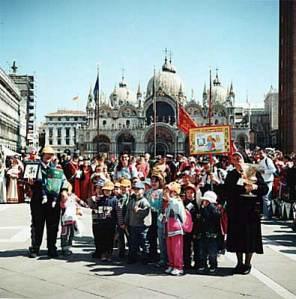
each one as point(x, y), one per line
point(210, 140)
point(185, 122)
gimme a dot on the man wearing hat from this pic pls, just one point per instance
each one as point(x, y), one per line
point(138, 220)
point(52, 184)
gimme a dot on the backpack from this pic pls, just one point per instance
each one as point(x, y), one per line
point(188, 223)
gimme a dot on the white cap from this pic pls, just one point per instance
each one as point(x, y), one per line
point(210, 196)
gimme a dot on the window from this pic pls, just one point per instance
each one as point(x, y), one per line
point(76, 118)
point(59, 118)
point(50, 130)
point(67, 141)
point(104, 122)
point(59, 132)
point(59, 142)
point(67, 132)
point(50, 141)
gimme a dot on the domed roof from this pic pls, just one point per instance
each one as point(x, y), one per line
point(167, 79)
point(122, 95)
point(219, 93)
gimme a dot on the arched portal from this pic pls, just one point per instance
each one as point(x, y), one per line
point(165, 113)
point(242, 140)
point(125, 143)
point(101, 144)
point(165, 141)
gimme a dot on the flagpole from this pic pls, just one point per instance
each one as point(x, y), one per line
point(98, 106)
point(210, 100)
point(210, 115)
point(155, 114)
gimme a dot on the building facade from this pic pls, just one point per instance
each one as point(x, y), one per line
point(124, 122)
point(11, 114)
point(287, 76)
point(60, 129)
point(25, 84)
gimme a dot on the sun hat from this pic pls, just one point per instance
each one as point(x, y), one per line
point(108, 186)
point(210, 196)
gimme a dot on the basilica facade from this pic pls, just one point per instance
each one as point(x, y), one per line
point(124, 122)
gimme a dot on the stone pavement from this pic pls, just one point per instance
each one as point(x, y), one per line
point(80, 276)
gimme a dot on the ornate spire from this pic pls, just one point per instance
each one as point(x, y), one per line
point(90, 98)
point(14, 67)
point(139, 93)
point(231, 92)
point(122, 83)
point(205, 90)
point(180, 93)
point(216, 80)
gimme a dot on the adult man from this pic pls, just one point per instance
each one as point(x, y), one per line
point(47, 190)
point(267, 170)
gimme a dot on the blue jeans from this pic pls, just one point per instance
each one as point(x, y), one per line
point(267, 208)
point(138, 240)
point(208, 247)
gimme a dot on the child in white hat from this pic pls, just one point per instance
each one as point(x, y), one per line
point(209, 229)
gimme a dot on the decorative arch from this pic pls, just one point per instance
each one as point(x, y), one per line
point(242, 140)
point(165, 113)
point(125, 142)
point(102, 144)
point(165, 140)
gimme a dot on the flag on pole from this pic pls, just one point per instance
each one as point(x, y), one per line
point(96, 90)
point(76, 98)
point(185, 122)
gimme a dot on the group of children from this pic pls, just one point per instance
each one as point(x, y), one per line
point(148, 216)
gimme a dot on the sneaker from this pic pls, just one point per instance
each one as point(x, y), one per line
point(104, 258)
point(67, 252)
point(177, 272)
point(168, 270)
point(33, 252)
point(213, 269)
point(201, 268)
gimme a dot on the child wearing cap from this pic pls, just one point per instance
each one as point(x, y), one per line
point(138, 220)
point(190, 205)
point(104, 221)
point(175, 216)
point(123, 200)
point(154, 196)
point(208, 231)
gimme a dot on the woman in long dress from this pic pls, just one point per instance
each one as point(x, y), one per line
point(2, 183)
point(13, 174)
point(243, 208)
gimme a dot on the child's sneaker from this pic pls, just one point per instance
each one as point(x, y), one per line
point(213, 269)
point(168, 270)
point(177, 272)
point(66, 252)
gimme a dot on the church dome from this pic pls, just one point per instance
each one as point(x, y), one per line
point(219, 93)
point(167, 79)
point(122, 95)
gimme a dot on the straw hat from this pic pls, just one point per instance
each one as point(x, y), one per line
point(48, 150)
point(175, 187)
point(108, 186)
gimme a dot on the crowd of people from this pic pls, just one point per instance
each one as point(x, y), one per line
point(179, 213)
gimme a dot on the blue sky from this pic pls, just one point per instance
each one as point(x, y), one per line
point(62, 41)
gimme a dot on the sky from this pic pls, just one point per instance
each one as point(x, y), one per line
point(61, 42)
